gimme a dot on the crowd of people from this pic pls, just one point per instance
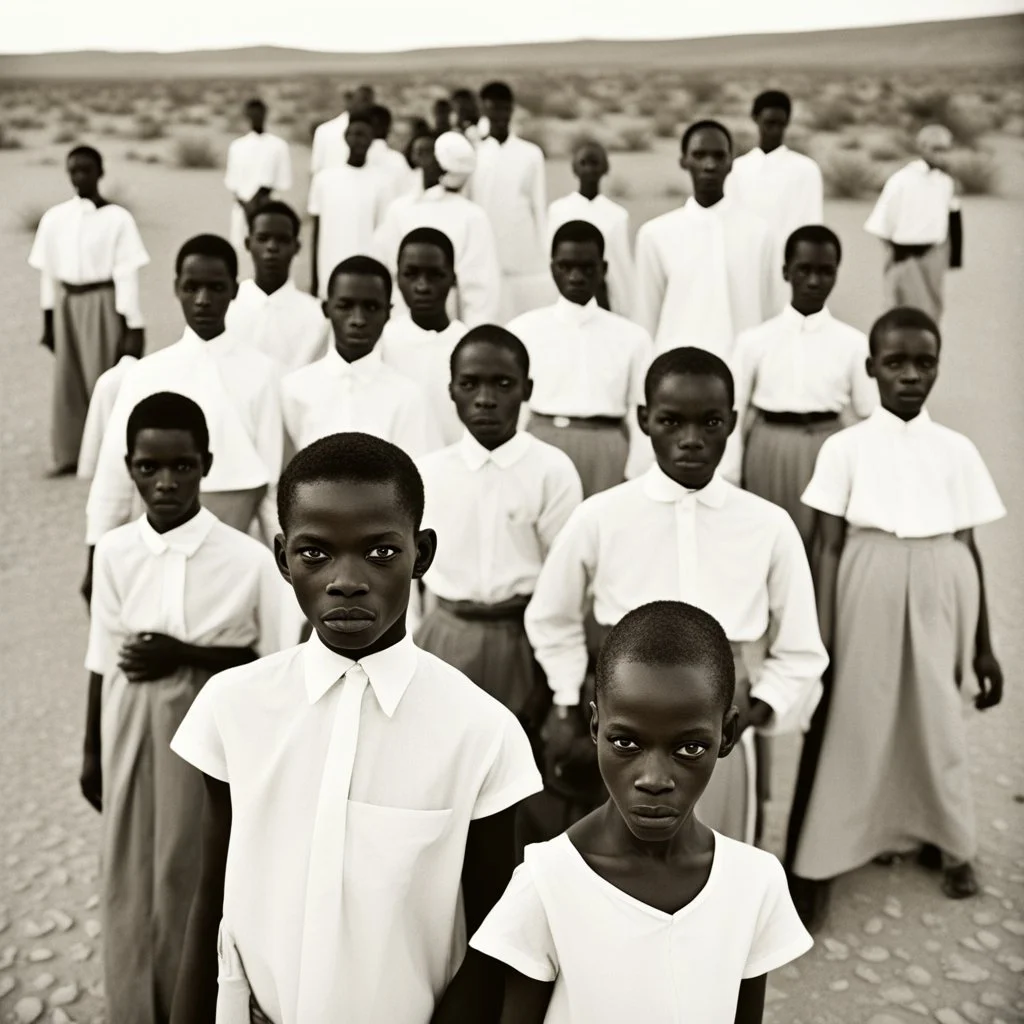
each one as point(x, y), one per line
point(442, 613)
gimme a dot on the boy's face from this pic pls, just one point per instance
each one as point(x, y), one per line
point(905, 367)
point(498, 113)
point(708, 158)
point(256, 114)
point(812, 271)
point(422, 152)
point(590, 163)
point(358, 138)
point(424, 278)
point(167, 468)
point(205, 288)
point(488, 387)
point(272, 244)
point(358, 308)
point(659, 730)
point(578, 269)
point(688, 420)
point(350, 553)
point(84, 173)
point(771, 127)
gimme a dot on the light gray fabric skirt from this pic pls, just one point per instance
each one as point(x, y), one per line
point(918, 281)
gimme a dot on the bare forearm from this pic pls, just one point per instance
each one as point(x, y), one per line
point(826, 575)
point(983, 637)
point(93, 713)
point(475, 994)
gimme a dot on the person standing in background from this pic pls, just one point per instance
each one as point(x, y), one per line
point(329, 146)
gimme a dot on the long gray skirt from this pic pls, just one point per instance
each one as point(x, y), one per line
point(917, 281)
point(599, 453)
point(778, 464)
point(86, 331)
point(892, 773)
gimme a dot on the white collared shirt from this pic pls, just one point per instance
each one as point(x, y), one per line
point(287, 325)
point(257, 160)
point(76, 243)
point(612, 221)
point(509, 184)
point(586, 361)
point(425, 357)
point(496, 514)
point(735, 555)
point(101, 404)
point(203, 583)
point(332, 396)
point(329, 146)
point(237, 389)
point(914, 206)
point(477, 292)
point(350, 203)
point(911, 479)
point(434, 753)
point(703, 275)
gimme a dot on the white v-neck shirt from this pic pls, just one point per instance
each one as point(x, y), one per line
point(614, 958)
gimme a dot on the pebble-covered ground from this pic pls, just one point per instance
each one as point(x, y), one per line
point(894, 951)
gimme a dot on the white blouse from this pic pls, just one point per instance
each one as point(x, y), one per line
point(916, 479)
point(613, 958)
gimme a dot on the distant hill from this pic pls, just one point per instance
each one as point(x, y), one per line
point(978, 42)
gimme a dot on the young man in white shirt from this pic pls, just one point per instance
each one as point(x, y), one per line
point(258, 165)
point(681, 532)
point(800, 377)
point(505, 495)
point(236, 387)
point(706, 271)
point(917, 216)
point(588, 366)
point(441, 204)
point(351, 388)
point(783, 187)
point(361, 793)
point(466, 111)
point(178, 596)
point(590, 165)
point(420, 344)
point(509, 184)
point(382, 155)
point(269, 312)
point(329, 146)
point(89, 253)
point(347, 203)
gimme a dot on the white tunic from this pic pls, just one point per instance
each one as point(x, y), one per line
point(256, 160)
point(267, 729)
point(288, 325)
point(332, 396)
point(329, 146)
point(236, 388)
point(101, 404)
point(614, 958)
point(509, 184)
point(914, 206)
point(735, 555)
point(916, 479)
point(350, 202)
point(704, 275)
point(496, 514)
point(425, 357)
point(78, 243)
point(477, 270)
point(612, 221)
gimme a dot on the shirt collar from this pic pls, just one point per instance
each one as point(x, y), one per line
point(281, 295)
point(887, 421)
point(475, 455)
point(221, 343)
point(813, 323)
point(185, 539)
point(778, 153)
point(389, 671)
point(575, 314)
point(361, 369)
point(693, 209)
point(660, 487)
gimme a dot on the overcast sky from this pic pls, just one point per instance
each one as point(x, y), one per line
point(381, 25)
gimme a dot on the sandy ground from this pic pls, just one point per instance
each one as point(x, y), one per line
point(894, 950)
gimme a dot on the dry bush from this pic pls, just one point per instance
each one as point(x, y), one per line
point(703, 90)
point(888, 148)
point(65, 136)
point(799, 140)
point(632, 139)
point(976, 173)
point(25, 123)
point(563, 105)
point(666, 124)
point(849, 143)
point(532, 130)
point(147, 128)
point(850, 176)
point(832, 114)
point(195, 153)
point(937, 106)
point(9, 141)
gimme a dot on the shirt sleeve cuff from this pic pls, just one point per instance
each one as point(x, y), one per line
point(206, 761)
point(787, 954)
point(514, 958)
point(526, 785)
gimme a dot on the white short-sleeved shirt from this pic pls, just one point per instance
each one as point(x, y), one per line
point(613, 958)
point(434, 753)
point(496, 514)
point(257, 160)
point(914, 206)
point(911, 479)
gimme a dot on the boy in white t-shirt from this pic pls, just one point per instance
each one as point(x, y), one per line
point(640, 911)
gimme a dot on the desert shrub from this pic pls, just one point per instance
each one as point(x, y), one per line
point(964, 118)
point(799, 140)
point(633, 139)
point(832, 114)
point(618, 188)
point(148, 128)
point(849, 143)
point(533, 130)
point(9, 141)
point(666, 124)
point(195, 153)
point(563, 105)
point(850, 176)
point(286, 118)
point(976, 173)
point(65, 136)
point(25, 123)
point(703, 90)
point(888, 147)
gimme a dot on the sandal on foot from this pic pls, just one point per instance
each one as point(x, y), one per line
point(960, 882)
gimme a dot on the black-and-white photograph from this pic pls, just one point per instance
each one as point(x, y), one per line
point(510, 514)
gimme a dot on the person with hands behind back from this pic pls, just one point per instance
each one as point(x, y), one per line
point(177, 596)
